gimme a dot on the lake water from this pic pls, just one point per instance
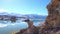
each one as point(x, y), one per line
point(6, 27)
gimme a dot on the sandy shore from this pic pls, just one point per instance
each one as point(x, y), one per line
point(13, 32)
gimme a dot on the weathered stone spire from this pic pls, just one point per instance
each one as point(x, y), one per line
point(53, 18)
point(52, 22)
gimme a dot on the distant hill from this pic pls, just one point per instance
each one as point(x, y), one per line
point(30, 16)
point(35, 17)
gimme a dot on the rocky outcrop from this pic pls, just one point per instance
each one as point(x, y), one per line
point(53, 18)
point(52, 23)
point(30, 30)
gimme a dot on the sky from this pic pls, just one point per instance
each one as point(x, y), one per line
point(24, 6)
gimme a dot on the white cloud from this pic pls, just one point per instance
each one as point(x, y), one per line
point(3, 10)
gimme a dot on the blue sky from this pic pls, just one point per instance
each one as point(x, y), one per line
point(24, 6)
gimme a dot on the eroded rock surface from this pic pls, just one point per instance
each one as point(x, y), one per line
point(53, 18)
point(30, 30)
point(52, 22)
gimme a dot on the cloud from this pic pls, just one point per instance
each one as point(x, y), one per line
point(3, 10)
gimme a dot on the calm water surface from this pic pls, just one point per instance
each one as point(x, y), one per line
point(6, 27)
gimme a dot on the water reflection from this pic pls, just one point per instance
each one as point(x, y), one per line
point(6, 27)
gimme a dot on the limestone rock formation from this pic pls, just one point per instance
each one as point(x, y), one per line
point(30, 30)
point(53, 18)
point(52, 22)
